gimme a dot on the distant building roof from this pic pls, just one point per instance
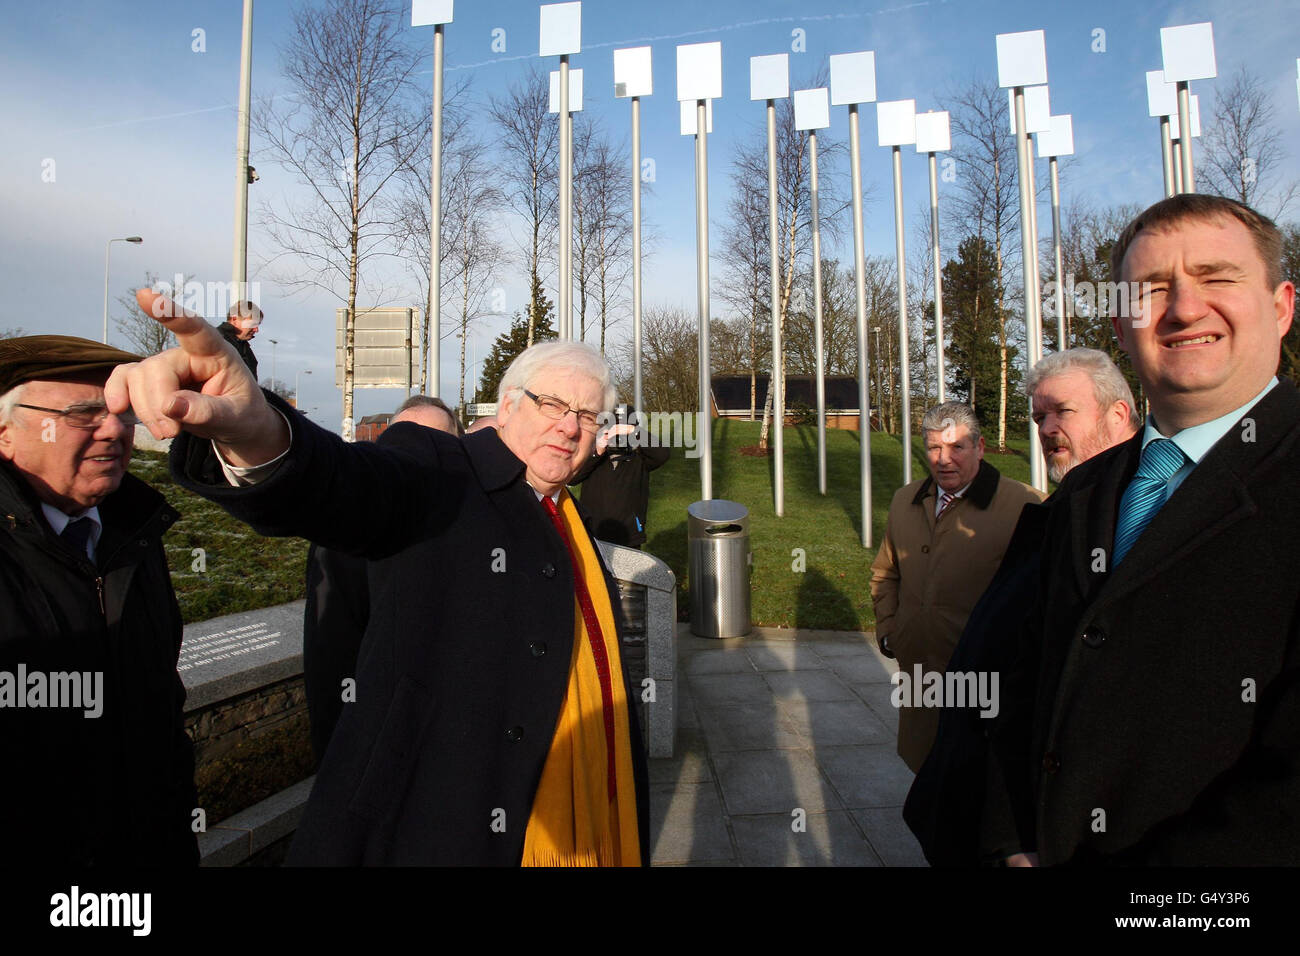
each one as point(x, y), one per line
point(731, 392)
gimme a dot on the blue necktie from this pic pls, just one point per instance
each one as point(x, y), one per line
point(76, 535)
point(1145, 494)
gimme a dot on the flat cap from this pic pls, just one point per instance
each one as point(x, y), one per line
point(54, 356)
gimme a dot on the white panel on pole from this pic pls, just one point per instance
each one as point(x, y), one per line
point(1038, 110)
point(575, 92)
point(1059, 140)
point(1022, 58)
point(633, 75)
point(427, 13)
point(561, 29)
point(1162, 97)
point(1194, 108)
point(932, 132)
point(699, 71)
point(689, 117)
point(769, 77)
point(812, 109)
point(896, 122)
point(853, 78)
point(1188, 52)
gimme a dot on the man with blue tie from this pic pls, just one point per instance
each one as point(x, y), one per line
point(101, 775)
point(1154, 715)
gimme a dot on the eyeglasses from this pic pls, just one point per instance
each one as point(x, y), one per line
point(85, 416)
point(554, 408)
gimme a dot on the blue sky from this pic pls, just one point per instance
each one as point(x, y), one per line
point(141, 129)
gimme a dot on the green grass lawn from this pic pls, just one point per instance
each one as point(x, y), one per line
point(245, 571)
point(240, 570)
point(834, 591)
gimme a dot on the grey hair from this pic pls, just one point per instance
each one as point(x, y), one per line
point(575, 356)
point(953, 414)
point(1108, 383)
point(9, 401)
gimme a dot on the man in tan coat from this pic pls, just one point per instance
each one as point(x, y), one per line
point(944, 540)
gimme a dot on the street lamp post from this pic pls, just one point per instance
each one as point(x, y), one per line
point(108, 247)
point(880, 380)
point(296, 375)
point(274, 343)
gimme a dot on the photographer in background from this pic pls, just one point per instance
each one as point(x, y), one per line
point(616, 481)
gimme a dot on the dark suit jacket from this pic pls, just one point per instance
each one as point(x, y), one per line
point(1165, 727)
point(616, 492)
point(231, 335)
point(465, 662)
point(945, 805)
point(334, 622)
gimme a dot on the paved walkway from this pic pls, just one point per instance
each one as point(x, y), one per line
point(785, 755)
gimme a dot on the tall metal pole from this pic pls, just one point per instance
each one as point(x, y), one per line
point(817, 317)
point(433, 321)
point(777, 383)
point(1036, 464)
point(1167, 156)
point(938, 273)
point(1178, 165)
point(1185, 136)
point(636, 254)
point(1061, 344)
point(1036, 345)
point(859, 266)
point(566, 206)
point(903, 370)
point(239, 266)
point(702, 278)
point(108, 247)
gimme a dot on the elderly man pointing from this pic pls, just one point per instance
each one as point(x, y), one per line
point(493, 721)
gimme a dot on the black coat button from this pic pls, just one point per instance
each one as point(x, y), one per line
point(537, 647)
point(1051, 762)
point(1094, 636)
point(515, 733)
point(925, 549)
point(548, 570)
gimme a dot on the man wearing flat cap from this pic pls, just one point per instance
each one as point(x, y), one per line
point(98, 768)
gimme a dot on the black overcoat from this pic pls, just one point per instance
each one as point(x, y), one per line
point(465, 662)
point(1154, 715)
point(117, 789)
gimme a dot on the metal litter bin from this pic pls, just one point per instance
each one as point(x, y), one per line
point(720, 561)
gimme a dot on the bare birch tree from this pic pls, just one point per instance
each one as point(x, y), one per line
point(345, 130)
point(529, 146)
point(1243, 147)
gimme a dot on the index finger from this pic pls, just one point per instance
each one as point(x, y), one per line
point(193, 333)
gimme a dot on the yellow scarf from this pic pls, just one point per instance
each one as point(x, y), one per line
point(573, 821)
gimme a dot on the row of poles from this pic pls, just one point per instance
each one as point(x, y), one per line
point(1188, 53)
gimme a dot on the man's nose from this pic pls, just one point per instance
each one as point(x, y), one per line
point(1186, 303)
point(111, 428)
point(569, 424)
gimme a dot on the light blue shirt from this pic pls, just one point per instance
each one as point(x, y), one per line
point(1199, 439)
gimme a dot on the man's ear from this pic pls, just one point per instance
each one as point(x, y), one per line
point(6, 442)
point(1284, 306)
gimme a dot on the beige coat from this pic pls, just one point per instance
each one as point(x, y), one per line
point(928, 576)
